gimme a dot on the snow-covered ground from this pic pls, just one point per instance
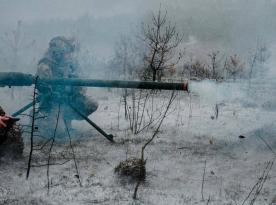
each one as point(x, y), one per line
point(191, 145)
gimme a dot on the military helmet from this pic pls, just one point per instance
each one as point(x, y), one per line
point(61, 44)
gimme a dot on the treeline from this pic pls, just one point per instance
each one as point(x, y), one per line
point(158, 53)
point(235, 24)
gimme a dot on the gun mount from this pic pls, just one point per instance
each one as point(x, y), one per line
point(20, 79)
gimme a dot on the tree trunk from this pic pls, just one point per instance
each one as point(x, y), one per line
point(154, 75)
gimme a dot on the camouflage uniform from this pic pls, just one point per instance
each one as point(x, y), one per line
point(58, 62)
point(11, 141)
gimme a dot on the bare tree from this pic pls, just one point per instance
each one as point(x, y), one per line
point(258, 57)
point(15, 42)
point(44, 145)
point(155, 133)
point(33, 118)
point(162, 40)
point(196, 70)
point(126, 62)
point(262, 52)
point(214, 64)
point(122, 57)
point(258, 186)
point(235, 66)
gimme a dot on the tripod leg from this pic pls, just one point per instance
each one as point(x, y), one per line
point(107, 136)
point(23, 109)
point(73, 152)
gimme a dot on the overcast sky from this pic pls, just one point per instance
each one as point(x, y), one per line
point(193, 16)
point(33, 10)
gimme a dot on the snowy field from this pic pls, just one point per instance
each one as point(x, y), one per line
point(195, 159)
point(216, 144)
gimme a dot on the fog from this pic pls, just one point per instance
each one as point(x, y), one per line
point(232, 25)
point(218, 137)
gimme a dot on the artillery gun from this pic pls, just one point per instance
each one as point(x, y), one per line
point(21, 79)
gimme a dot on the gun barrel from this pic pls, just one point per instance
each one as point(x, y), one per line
point(16, 79)
point(117, 84)
point(20, 79)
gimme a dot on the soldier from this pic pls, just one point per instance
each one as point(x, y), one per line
point(11, 142)
point(59, 62)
